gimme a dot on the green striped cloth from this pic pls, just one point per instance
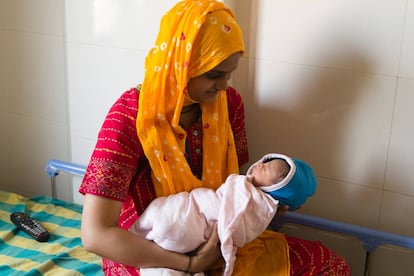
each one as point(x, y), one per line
point(63, 254)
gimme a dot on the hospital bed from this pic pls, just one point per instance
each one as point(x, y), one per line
point(64, 253)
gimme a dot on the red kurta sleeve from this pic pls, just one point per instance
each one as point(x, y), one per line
point(114, 160)
point(237, 121)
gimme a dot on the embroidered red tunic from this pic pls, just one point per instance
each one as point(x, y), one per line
point(119, 170)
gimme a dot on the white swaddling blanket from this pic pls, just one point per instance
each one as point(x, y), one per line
point(182, 222)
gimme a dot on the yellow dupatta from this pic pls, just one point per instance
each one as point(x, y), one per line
point(179, 54)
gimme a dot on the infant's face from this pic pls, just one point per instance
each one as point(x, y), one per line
point(269, 173)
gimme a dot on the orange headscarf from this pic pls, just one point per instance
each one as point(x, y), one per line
point(195, 36)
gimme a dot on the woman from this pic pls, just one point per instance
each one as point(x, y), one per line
point(183, 129)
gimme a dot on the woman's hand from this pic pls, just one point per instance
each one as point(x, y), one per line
point(281, 211)
point(207, 254)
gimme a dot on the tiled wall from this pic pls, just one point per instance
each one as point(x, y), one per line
point(338, 90)
point(32, 94)
point(330, 82)
point(107, 42)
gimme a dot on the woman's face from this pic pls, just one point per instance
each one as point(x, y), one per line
point(204, 88)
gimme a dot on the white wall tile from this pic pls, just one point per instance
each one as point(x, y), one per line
point(34, 79)
point(5, 142)
point(391, 260)
point(33, 99)
point(4, 72)
point(318, 32)
point(77, 197)
point(407, 54)
point(397, 212)
point(244, 14)
point(126, 24)
point(399, 174)
point(34, 142)
point(36, 16)
point(336, 120)
point(82, 149)
point(337, 200)
point(97, 76)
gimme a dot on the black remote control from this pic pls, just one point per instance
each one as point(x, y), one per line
point(30, 226)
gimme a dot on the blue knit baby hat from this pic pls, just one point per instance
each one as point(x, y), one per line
point(299, 184)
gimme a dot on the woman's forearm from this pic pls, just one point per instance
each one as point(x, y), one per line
point(124, 247)
point(101, 235)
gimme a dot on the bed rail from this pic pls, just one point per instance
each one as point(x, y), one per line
point(54, 167)
point(370, 238)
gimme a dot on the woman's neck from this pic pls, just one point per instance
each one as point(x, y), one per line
point(189, 115)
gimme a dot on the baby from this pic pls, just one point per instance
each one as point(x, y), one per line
point(241, 209)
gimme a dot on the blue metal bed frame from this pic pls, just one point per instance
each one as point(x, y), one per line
point(370, 238)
